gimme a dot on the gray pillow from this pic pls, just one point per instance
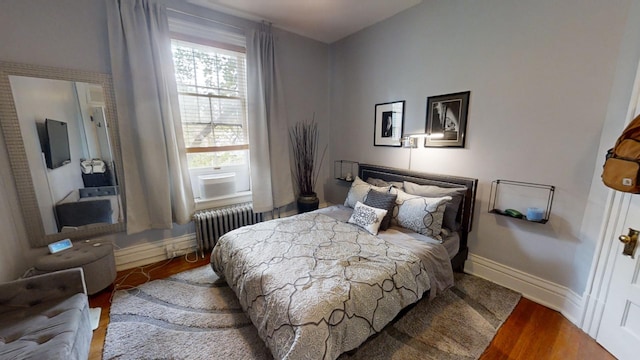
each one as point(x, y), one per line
point(380, 182)
point(382, 200)
point(451, 211)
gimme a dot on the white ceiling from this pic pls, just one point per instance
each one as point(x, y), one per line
point(322, 20)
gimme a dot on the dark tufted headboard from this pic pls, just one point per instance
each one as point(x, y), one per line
point(465, 214)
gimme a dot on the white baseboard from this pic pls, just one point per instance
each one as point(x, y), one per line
point(544, 292)
point(148, 253)
point(592, 315)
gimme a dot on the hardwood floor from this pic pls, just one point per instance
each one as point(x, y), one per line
point(532, 331)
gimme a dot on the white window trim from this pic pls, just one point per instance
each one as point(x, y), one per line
point(192, 32)
point(192, 29)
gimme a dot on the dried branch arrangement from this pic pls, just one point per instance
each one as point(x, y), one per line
point(304, 143)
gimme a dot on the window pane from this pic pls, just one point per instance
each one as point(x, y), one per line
point(207, 70)
point(183, 60)
point(212, 121)
point(212, 95)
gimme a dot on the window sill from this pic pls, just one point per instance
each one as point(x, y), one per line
point(237, 198)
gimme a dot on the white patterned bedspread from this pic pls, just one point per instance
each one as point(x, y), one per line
point(316, 287)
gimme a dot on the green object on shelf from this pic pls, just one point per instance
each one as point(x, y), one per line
point(513, 213)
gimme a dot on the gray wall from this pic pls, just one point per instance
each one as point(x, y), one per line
point(73, 34)
point(540, 75)
point(63, 33)
point(306, 88)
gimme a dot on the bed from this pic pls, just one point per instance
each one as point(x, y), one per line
point(319, 284)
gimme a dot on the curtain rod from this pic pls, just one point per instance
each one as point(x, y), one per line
point(206, 19)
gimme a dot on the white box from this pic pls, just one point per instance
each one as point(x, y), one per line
point(216, 185)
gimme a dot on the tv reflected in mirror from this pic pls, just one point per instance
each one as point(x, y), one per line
point(56, 145)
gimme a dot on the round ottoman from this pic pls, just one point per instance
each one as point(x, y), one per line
point(94, 257)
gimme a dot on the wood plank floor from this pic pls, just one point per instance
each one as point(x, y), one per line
point(535, 332)
point(532, 332)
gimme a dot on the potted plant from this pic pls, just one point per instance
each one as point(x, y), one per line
point(304, 143)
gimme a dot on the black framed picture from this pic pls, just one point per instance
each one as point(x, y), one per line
point(389, 121)
point(447, 120)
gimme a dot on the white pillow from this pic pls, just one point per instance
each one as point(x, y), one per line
point(451, 212)
point(359, 190)
point(367, 217)
point(420, 214)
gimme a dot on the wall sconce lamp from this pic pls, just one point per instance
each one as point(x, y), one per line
point(411, 141)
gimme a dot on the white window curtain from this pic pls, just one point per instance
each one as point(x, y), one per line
point(158, 191)
point(271, 184)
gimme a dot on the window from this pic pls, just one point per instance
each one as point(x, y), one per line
point(211, 80)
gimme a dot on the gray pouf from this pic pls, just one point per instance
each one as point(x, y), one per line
point(97, 262)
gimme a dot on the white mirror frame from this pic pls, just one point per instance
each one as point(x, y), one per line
point(18, 156)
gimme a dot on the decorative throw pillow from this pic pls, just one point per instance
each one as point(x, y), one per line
point(382, 200)
point(421, 214)
point(359, 190)
point(451, 211)
point(367, 217)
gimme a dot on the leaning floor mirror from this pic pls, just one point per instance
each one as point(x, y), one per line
point(61, 132)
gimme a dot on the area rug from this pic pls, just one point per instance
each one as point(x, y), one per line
point(195, 315)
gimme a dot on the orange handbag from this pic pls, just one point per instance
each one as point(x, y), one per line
point(622, 167)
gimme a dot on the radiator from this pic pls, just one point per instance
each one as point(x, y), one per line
point(213, 223)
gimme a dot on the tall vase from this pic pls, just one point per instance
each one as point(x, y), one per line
point(307, 202)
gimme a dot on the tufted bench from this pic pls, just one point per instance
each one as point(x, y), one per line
point(45, 317)
point(95, 257)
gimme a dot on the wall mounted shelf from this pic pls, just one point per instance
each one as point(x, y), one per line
point(345, 170)
point(520, 196)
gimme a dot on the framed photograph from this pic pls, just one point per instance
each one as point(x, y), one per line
point(447, 120)
point(389, 121)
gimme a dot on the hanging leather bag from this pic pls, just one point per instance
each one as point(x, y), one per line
point(622, 166)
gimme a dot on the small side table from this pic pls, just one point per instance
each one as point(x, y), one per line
point(95, 257)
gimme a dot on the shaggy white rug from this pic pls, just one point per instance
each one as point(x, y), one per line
point(195, 315)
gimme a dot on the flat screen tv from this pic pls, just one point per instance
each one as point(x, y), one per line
point(56, 147)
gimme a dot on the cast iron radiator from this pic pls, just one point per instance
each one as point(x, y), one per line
point(213, 223)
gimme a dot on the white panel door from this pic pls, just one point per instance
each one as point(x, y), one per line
point(619, 331)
